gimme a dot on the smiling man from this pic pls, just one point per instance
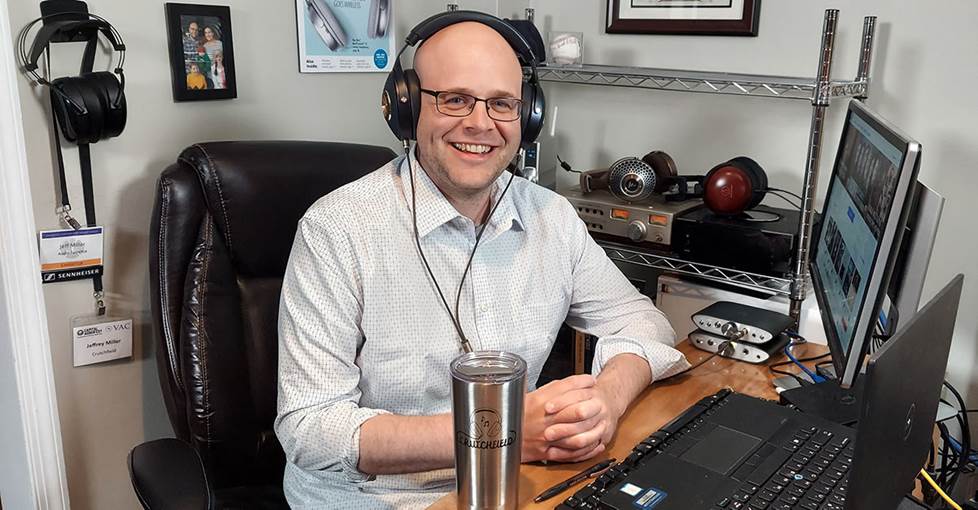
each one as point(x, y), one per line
point(364, 412)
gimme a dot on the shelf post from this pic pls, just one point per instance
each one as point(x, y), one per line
point(866, 55)
point(820, 102)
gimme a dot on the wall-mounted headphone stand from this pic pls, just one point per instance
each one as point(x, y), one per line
point(71, 10)
point(819, 91)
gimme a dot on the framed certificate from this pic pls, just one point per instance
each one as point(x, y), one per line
point(693, 17)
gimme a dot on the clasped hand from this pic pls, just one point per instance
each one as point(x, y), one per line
point(568, 420)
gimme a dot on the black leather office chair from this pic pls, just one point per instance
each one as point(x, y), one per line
point(222, 229)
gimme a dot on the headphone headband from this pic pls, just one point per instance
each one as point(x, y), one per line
point(50, 29)
point(433, 24)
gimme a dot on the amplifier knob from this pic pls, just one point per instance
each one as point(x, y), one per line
point(636, 231)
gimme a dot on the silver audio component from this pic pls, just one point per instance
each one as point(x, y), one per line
point(741, 351)
point(742, 323)
point(649, 222)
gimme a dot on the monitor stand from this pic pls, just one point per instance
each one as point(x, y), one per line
point(827, 400)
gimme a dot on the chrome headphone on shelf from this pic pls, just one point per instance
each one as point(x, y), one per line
point(401, 100)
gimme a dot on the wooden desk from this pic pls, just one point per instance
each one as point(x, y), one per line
point(649, 412)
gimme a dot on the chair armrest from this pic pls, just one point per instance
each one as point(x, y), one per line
point(167, 474)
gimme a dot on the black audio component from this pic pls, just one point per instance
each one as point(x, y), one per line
point(743, 351)
point(741, 323)
point(747, 242)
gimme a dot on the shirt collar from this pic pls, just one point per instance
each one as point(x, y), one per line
point(434, 210)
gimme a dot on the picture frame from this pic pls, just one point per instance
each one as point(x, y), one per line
point(201, 47)
point(684, 17)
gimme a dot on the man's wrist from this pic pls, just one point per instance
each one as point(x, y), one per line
point(617, 402)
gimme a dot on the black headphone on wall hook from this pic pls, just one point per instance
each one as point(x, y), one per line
point(84, 108)
point(91, 106)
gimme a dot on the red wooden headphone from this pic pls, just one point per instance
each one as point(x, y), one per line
point(734, 186)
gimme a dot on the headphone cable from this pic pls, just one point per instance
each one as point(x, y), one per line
point(456, 322)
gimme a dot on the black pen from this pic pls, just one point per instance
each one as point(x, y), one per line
point(562, 486)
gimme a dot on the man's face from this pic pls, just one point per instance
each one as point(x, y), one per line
point(464, 155)
point(192, 29)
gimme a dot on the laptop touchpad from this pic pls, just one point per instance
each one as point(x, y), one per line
point(722, 450)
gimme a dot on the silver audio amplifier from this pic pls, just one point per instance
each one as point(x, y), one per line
point(742, 323)
point(742, 351)
point(639, 222)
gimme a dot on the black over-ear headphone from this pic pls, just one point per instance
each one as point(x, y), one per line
point(89, 107)
point(401, 100)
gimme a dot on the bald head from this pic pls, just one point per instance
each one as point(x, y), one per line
point(468, 49)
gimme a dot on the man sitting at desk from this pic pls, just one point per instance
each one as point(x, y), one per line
point(364, 403)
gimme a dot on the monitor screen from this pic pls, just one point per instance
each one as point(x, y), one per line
point(854, 251)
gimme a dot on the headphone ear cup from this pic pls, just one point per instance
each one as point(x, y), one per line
point(110, 118)
point(531, 117)
point(413, 86)
point(664, 167)
point(757, 176)
point(75, 125)
point(594, 180)
point(96, 103)
point(396, 104)
point(727, 189)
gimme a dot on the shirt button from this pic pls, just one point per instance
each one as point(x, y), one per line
point(484, 308)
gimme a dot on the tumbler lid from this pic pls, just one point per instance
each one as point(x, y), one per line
point(488, 367)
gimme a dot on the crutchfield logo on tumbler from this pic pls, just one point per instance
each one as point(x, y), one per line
point(485, 432)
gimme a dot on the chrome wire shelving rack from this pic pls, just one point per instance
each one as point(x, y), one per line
point(753, 281)
point(784, 87)
point(818, 91)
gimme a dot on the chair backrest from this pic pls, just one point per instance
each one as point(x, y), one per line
point(225, 217)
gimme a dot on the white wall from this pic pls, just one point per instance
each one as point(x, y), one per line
point(922, 71)
point(106, 409)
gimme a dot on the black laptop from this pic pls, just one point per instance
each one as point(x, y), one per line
point(731, 451)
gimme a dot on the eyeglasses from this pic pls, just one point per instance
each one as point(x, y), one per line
point(457, 104)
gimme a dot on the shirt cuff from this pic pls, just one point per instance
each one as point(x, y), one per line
point(664, 360)
point(351, 458)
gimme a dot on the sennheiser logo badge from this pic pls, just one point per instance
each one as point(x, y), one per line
point(49, 277)
point(485, 431)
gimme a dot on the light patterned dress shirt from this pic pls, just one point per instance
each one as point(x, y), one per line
point(362, 330)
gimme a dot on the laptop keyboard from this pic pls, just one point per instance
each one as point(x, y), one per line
point(813, 477)
point(809, 471)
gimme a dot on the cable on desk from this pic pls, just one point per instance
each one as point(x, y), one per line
point(796, 361)
point(722, 350)
point(940, 491)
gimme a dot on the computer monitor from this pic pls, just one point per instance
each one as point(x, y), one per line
point(910, 269)
point(862, 223)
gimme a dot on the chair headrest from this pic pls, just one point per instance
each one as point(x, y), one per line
point(258, 191)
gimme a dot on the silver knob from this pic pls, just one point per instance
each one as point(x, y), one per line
point(636, 231)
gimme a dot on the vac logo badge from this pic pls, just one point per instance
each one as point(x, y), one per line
point(485, 432)
point(650, 499)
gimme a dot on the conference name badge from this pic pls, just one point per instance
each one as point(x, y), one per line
point(70, 254)
point(99, 339)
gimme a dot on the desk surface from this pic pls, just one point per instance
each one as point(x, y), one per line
point(650, 411)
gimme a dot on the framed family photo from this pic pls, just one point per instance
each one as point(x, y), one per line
point(201, 52)
point(688, 17)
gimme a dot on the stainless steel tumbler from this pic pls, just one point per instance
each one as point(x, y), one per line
point(487, 407)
